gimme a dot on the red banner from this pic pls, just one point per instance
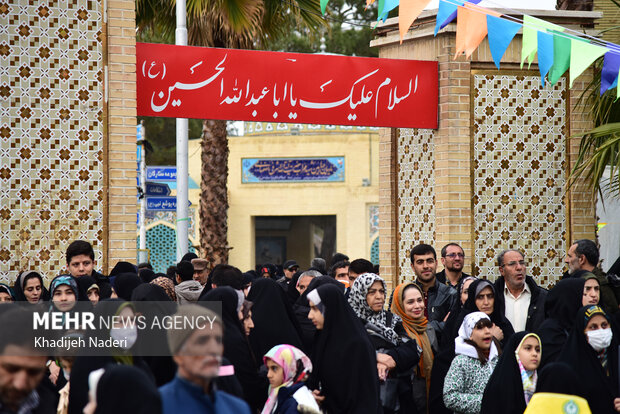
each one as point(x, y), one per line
point(207, 83)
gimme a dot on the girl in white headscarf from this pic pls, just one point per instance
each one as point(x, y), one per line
point(477, 352)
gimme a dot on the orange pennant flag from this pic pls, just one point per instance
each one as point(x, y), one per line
point(471, 27)
point(408, 11)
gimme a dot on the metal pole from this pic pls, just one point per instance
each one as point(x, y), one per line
point(182, 131)
point(142, 257)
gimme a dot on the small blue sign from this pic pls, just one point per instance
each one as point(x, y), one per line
point(161, 173)
point(329, 169)
point(138, 132)
point(163, 203)
point(157, 189)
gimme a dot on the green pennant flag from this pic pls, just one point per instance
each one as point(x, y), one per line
point(323, 5)
point(582, 54)
point(561, 56)
point(531, 26)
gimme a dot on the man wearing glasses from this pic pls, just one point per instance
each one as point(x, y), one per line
point(523, 300)
point(453, 260)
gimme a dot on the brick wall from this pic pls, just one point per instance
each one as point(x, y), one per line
point(121, 133)
point(453, 139)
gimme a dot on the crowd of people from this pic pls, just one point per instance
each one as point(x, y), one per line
point(329, 339)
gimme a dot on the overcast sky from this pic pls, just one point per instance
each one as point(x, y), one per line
point(512, 4)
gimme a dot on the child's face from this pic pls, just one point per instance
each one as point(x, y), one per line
point(275, 373)
point(529, 353)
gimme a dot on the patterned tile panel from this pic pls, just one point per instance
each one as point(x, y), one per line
point(416, 194)
point(51, 132)
point(519, 164)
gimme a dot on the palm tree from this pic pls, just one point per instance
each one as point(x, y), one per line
point(240, 24)
point(599, 149)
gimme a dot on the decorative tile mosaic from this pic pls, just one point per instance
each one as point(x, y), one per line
point(51, 133)
point(162, 246)
point(519, 163)
point(170, 217)
point(416, 194)
point(269, 128)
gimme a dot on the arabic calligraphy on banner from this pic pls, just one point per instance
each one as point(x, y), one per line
point(245, 85)
point(256, 170)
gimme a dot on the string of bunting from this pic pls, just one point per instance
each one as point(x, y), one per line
point(557, 47)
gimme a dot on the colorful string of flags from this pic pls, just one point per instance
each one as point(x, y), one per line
point(558, 48)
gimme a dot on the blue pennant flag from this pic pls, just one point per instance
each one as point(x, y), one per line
point(611, 66)
point(501, 33)
point(447, 12)
point(388, 6)
point(545, 54)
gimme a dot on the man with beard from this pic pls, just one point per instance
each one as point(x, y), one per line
point(197, 350)
point(453, 260)
point(438, 298)
point(22, 367)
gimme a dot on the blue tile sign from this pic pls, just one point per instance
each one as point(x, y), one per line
point(257, 170)
point(161, 173)
point(162, 203)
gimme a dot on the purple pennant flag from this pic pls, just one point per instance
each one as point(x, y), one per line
point(452, 16)
point(611, 66)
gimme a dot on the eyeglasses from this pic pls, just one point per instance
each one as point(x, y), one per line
point(453, 255)
point(511, 264)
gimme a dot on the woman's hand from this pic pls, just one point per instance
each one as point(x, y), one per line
point(617, 404)
point(318, 397)
point(54, 371)
point(497, 332)
point(382, 371)
point(386, 360)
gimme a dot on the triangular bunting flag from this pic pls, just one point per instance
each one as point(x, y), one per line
point(531, 26)
point(409, 10)
point(582, 54)
point(386, 7)
point(561, 56)
point(369, 2)
point(545, 54)
point(471, 28)
point(446, 12)
point(323, 5)
point(611, 67)
point(501, 33)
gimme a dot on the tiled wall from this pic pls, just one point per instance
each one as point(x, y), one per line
point(519, 173)
point(51, 133)
point(416, 194)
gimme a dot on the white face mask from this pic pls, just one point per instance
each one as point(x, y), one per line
point(127, 336)
point(599, 339)
point(66, 374)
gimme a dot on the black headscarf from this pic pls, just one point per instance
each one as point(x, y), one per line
point(147, 275)
point(600, 386)
point(127, 390)
point(444, 358)
point(301, 309)
point(504, 391)
point(84, 284)
point(561, 306)
point(236, 346)
point(497, 316)
point(85, 364)
point(123, 267)
point(18, 287)
point(344, 359)
point(7, 289)
point(291, 289)
point(274, 320)
point(559, 378)
point(125, 283)
point(159, 305)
